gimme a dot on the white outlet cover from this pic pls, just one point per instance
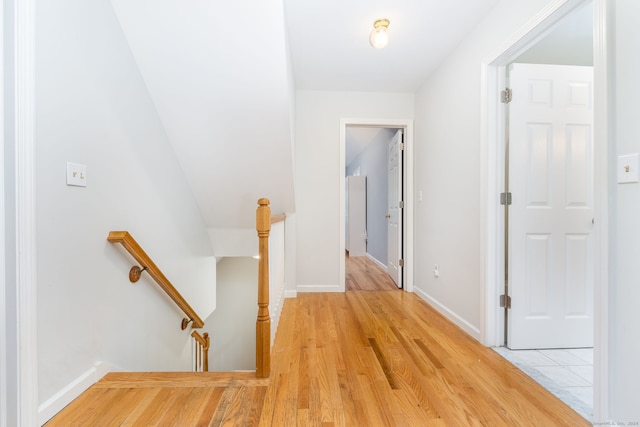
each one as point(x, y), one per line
point(76, 174)
point(628, 168)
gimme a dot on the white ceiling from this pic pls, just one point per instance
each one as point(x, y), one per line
point(330, 41)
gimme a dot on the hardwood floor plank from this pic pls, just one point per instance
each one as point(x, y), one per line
point(128, 417)
point(362, 274)
point(128, 401)
point(82, 408)
point(178, 379)
point(210, 407)
point(155, 411)
point(195, 405)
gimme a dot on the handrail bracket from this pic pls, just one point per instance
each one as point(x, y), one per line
point(135, 273)
point(185, 322)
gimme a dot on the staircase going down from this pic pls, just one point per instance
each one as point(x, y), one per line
point(168, 399)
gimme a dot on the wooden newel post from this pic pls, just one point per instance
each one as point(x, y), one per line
point(263, 324)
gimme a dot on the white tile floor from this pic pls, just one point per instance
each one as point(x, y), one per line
point(567, 373)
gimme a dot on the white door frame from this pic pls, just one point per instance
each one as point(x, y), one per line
point(407, 125)
point(492, 180)
point(21, 398)
point(3, 300)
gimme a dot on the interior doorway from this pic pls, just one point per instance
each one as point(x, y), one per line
point(532, 40)
point(374, 195)
point(366, 145)
point(548, 152)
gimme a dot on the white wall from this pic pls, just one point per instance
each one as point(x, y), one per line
point(318, 172)
point(624, 349)
point(217, 73)
point(447, 168)
point(232, 327)
point(93, 108)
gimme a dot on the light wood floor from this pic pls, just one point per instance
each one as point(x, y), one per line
point(365, 275)
point(360, 358)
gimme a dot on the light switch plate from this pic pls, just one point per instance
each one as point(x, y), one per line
point(76, 174)
point(628, 168)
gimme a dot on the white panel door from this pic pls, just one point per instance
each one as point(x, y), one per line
point(550, 271)
point(394, 216)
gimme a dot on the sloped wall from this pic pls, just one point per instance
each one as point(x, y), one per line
point(93, 108)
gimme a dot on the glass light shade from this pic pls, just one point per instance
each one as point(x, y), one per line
point(379, 36)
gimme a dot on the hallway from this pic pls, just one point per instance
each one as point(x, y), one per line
point(365, 358)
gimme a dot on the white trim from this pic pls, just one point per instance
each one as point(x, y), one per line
point(376, 261)
point(407, 125)
point(604, 151)
point(3, 297)
point(49, 408)
point(451, 315)
point(24, 75)
point(492, 171)
point(318, 288)
point(275, 309)
point(290, 294)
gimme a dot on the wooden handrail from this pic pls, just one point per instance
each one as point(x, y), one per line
point(278, 218)
point(129, 243)
point(203, 342)
point(263, 323)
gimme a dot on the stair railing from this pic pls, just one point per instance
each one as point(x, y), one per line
point(202, 344)
point(129, 243)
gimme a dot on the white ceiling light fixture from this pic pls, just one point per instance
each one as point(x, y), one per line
point(379, 36)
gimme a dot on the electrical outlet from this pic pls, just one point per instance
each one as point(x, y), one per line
point(76, 174)
point(436, 271)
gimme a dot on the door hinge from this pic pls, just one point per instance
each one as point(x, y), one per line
point(506, 96)
point(505, 301)
point(401, 204)
point(400, 263)
point(505, 199)
point(402, 146)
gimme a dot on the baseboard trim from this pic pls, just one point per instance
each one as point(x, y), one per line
point(68, 394)
point(377, 262)
point(449, 314)
point(318, 288)
point(290, 294)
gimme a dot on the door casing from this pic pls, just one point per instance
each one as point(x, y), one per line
point(492, 180)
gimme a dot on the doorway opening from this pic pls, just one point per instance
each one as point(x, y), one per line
point(538, 35)
point(374, 187)
point(380, 194)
